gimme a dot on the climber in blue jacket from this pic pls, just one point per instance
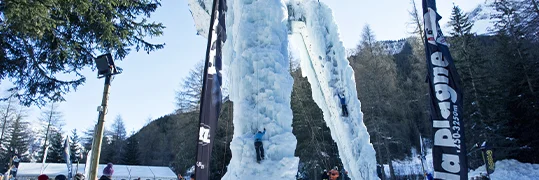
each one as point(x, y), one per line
point(259, 146)
point(343, 105)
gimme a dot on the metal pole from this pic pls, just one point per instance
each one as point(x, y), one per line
point(98, 139)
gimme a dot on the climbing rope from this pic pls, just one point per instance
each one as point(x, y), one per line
point(256, 97)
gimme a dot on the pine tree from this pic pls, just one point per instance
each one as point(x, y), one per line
point(74, 147)
point(315, 148)
point(51, 119)
point(460, 22)
point(188, 97)
point(48, 38)
point(17, 139)
point(131, 154)
point(529, 11)
point(107, 151)
point(117, 139)
point(8, 111)
point(411, 82)
point(518, 72)
point(19, 135)
point(86, 142)
point(376, 70)
point(477, 82)
point(509, 26)
point(55, 152)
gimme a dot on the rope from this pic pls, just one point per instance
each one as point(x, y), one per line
point(257, 94)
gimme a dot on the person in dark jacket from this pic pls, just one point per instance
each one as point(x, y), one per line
point(107, 172)
point(333, 174)
point(43, 177)
point(60, 177)
point(259, 146)
point(343, 105)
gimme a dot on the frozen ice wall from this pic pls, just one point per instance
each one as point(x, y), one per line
point(260, 86)
point(323, 62)
point(255, 55)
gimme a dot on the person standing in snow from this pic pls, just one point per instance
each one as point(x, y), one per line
point(333, 174)
point(43, 177)
point(259, 146)
point(343, 105)
point(60, 177)
point(107, 172)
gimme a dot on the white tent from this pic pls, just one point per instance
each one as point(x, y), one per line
point(30, 171)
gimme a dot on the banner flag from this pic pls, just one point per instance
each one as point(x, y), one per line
point(210, 101)
point(67, 157)
point(449, 150)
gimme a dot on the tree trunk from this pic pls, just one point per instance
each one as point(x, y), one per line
point(522, 61)
point(391, 170)
point(382, 168)
point(469, 67)
point(525, 69)
point(417, 21)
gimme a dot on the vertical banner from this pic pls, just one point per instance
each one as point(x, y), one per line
point(210, 101)
point(449, 151)
point(87, 164)
point(488, 158)
point(44, 158)
point(67, 157)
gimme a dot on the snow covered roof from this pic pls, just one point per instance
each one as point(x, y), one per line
point(121, 172)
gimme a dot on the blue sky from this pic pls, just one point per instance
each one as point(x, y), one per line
point(146, 88)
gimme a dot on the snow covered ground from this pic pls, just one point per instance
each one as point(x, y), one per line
point(505, 169)
point(510, 169)
point(323, 61)
point(411, 165)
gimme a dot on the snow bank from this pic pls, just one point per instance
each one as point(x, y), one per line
point(260, 87)
point(324, 63)
point(510, 169)
point(505, 169)
point(411, 165)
